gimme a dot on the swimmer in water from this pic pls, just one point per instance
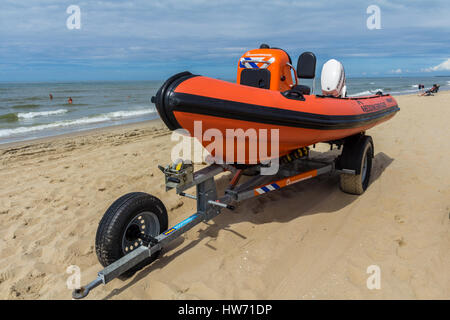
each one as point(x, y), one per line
point(51, 96)
point(69, 101)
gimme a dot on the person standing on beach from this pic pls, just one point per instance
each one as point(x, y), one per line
point(421, 87)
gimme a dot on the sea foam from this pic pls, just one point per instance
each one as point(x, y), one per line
point(81, 121)
point(365, 93)
point(30, 115)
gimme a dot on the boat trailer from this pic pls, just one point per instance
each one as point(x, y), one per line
point(144, 233)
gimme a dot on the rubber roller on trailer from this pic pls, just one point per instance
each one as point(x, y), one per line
point(296, 154)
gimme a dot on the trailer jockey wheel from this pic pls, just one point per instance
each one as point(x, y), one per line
point(131, 221)
point(357, 156)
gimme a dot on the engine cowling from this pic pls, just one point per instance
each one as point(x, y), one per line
point(333, 79)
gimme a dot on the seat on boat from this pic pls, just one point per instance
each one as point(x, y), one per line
point(306, 69)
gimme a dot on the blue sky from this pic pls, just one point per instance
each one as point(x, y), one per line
point(152, 39)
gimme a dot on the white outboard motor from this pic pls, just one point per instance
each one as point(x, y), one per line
point(333, 79)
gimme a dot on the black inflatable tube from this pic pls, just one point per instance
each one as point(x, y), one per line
point(168, 101)
point(161, 99)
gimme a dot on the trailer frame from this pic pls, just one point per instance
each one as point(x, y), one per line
point(181, 177)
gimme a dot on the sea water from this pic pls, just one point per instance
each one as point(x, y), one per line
point(396, 86)
point(27, 112)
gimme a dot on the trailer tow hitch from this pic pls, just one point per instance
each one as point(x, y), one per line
point(116, 269)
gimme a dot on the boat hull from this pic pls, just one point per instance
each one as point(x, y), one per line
point(259, 124)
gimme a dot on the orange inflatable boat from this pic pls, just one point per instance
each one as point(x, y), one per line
point(266, 109)
point(265, 98)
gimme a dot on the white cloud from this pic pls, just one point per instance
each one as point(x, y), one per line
point(444, 66)
point(396, 71)
point(118, 34)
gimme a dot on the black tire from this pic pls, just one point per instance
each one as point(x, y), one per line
point(359, 157)
point(120, 225)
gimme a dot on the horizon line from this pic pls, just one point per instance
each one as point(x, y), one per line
point(143, 80)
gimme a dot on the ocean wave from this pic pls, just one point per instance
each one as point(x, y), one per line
point(71, 91)
point(365, 93)
point(74, 104)
point(9, 117)
point(359, 94)
point(34, 98)
point(384, 90)
point(128, 113)
point(13, 117)
point(25, 106)
point(82, 121)
point(8, 99)
point(30, 115)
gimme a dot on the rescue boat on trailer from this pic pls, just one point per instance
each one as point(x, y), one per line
point(267, 96)
point(134, 229)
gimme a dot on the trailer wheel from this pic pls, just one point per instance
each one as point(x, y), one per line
point(361, 153)
point(123, 224)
